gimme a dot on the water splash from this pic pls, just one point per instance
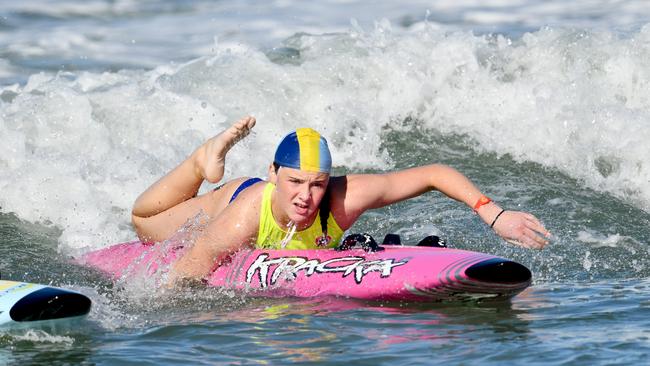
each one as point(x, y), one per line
point(570, 100)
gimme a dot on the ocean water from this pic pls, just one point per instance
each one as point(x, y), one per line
point(545, 105)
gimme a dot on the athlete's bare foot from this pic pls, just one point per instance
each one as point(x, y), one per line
point(210, 158)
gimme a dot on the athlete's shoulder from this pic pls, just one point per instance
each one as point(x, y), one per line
point(352, 182)
point(253, 192)
point(354, 194)
point(344, 192)
point(244, 212)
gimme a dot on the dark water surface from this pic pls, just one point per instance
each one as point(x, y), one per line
point(588, 304)
point(543, 104)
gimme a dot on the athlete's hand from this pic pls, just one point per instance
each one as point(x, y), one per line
point(522, 229)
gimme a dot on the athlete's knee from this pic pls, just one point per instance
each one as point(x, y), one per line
point(136, 221)
point(139, 226)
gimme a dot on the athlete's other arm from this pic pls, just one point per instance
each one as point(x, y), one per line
point(233, 229)
point(368, 191)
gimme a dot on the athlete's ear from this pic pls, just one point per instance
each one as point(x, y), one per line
point(273, 176)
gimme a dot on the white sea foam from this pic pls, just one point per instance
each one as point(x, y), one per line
point(598, 240)
point(39, 336)
point(79, 147)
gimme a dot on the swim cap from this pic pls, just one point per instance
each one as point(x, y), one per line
point(304, 149)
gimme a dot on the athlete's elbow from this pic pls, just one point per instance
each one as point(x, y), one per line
point(439, 169)
point(439, 174)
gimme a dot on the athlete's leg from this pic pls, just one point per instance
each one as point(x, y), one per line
point(183, 182)
point(163, 225)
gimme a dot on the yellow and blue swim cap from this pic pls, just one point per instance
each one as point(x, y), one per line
point(304, 149)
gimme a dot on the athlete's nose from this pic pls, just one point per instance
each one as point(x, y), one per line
point(304, 193)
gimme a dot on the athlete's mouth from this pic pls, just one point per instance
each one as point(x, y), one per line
point(301, 207)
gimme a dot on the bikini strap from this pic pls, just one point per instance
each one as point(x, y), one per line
point(245, 184)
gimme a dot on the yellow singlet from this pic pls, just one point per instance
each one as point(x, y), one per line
point(271, 236)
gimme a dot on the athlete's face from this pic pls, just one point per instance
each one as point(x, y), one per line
point(297, 195)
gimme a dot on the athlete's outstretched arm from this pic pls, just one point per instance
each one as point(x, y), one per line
point(367, 191)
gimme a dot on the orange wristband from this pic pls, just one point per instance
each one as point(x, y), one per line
point(483, 200)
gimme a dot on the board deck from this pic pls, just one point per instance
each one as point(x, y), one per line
point(395, 272)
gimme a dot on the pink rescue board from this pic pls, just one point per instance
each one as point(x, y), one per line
point(408, 273)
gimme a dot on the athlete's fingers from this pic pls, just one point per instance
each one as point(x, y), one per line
point(524, 242)
point(530, 216)
point(528, 238)
point(538, 241)
point(514, 242)
point(533, 223)
point(522, 229)
point(518, 243)
point(538, 228)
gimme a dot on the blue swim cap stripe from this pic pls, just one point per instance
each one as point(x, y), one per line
point(325, 156)
point(288, 152)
